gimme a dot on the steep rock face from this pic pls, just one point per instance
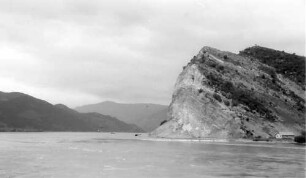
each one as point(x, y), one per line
point(224, 95)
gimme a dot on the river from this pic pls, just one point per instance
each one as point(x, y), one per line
point(74, 154)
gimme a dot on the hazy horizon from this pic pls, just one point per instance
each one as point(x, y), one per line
point(77, 52)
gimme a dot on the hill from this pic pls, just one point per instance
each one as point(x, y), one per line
point(146, 116)
point(21, 112)
point(219, 94)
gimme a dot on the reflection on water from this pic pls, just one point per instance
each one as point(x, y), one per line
point(124, 155)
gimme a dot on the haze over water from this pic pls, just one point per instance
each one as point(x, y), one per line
point(118, 155)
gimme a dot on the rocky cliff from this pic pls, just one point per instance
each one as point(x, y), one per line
point(225, 95)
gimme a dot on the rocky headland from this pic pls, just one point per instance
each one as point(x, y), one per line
point(221, 95)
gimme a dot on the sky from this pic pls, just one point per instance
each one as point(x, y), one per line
point(79, 52)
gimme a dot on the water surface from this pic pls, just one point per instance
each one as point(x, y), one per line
point(66, 154)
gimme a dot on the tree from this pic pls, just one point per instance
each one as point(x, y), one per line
point(300, 138)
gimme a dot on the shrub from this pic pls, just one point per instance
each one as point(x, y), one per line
point(220, 68)
point(217, 97)
point(299, 139)
point(227, 103)
point(212, 64)
point(263, 76)
point(227, 87)
point(235, 103)
point(259, 138)
point(164, 121)
point(214, 80)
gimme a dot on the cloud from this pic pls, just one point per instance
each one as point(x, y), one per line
point(78, 52)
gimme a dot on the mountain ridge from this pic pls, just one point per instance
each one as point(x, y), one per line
point(147, 116)
point(22, 112)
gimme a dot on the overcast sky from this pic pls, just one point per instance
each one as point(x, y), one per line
point(78, 52)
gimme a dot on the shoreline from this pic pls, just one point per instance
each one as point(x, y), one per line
point(219, 140)
point(232, 142)
point(148, 137)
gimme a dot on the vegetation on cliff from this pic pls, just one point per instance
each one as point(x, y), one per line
point(240, 96)
point(289, 65)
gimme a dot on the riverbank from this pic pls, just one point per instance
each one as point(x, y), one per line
point(147, 137)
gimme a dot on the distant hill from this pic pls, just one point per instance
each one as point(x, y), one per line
point(147, 116)
point(21, 112)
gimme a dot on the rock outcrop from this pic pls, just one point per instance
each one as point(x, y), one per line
point(224, 95)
